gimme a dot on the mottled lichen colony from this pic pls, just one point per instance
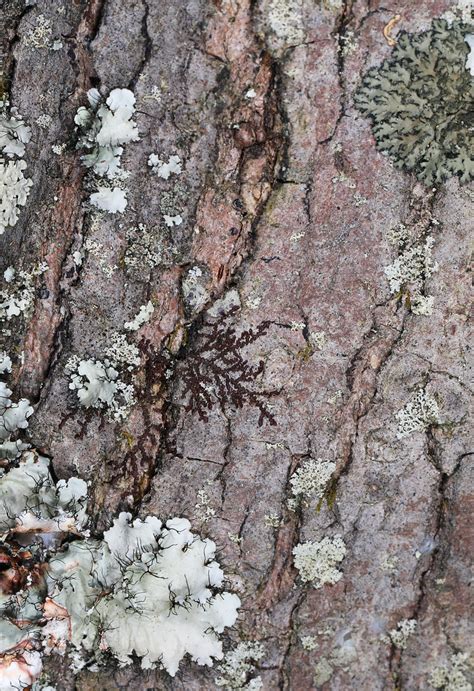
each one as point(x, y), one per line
point(144, 589)
point(421, 101)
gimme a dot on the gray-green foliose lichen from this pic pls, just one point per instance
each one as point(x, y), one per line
point(421, 102)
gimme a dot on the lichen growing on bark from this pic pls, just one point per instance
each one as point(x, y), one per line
point(420, 101)
point(146, 589)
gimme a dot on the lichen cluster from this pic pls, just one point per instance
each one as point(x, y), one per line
point(421, 102)
point(103, 129)
point(100, 384)
point(399, 636)
point(13, 418)
point(14, 187)
point(418, 414)
point(317, 561)
point(239, 664)
point(309, 482)
point(145, 589)
point(414, 264)
point(452, 677)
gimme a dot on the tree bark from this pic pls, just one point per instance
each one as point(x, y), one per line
point(286, 205)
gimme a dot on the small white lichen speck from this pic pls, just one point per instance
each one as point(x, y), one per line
point(163, 169)
point(238, 665)
point(286, 23)
point(463, 11)
point(5, 363)
point(40, 35)
point(171, 221)
point(309, 643)
point(272, 520)
point(399, 636)
point(310, 481)
point(470, 58)
point(203, 508)
point(121, 353)
point(143, 316)
point(317, 561)
point(18, 297)
point(418, 414)
point(452, 677)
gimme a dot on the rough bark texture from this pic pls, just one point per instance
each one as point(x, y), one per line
point(271, 199)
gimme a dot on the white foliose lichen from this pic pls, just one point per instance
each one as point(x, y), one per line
point(151, 591)
point(19, 669)
point(14, 187)
point(104, 128)
point(5, 363)
point(317, 561)
point(144, 590)
point(418, 414)
point(399, 636)
point(452, 677)
point(309, 482)
point(168, 600)
point(98, 385)
point(239, 664)
point(14, 133)
point(14, 191)
point(30, 501)
point(470, 58)
point(13, 417)
point(110, 199)
point(165, 169)
point(171, 221)
point(142, 317)
point(409, 271)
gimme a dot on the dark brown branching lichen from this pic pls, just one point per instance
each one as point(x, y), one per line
point(217, 372)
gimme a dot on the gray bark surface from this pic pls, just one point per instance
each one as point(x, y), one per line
point(287, 202)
